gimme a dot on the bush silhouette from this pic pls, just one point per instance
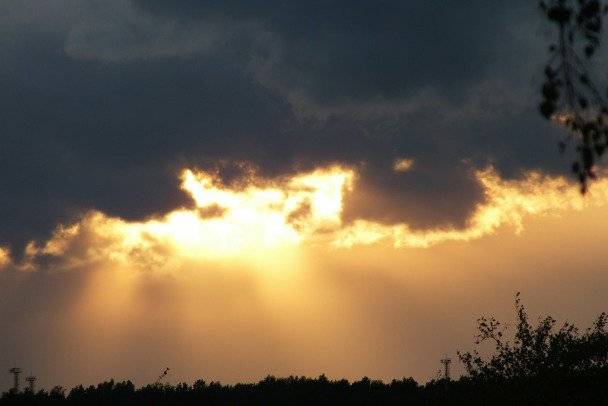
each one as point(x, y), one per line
point(542, 363)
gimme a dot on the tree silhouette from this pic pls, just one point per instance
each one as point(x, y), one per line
point(557, 365)
point(570, 96)
point(539, 350)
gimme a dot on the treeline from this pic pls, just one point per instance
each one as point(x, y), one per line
point(571, 389)
point(539, 365)
point(270, 391)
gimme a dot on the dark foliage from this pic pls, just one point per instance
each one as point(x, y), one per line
point(543, 365)
point(569, 94)
point(270, 391)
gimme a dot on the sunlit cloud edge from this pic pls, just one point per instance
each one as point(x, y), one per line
point(303, 209)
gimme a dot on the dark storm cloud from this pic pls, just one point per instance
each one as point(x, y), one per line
point(103, 103)
point(361, 51)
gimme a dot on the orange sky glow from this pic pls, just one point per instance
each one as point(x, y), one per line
point(265, 278)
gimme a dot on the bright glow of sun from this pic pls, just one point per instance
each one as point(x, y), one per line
point(282, 213)
point(225, 222)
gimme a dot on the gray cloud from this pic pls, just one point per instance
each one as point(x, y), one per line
point(116, 32)
point(103, 103)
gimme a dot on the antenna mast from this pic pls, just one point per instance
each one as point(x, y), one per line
point(446, 367)
point(30, 380)
point(15, 371)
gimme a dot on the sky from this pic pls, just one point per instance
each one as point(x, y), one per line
point(239, 189)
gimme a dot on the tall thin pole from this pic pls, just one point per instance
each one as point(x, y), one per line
point(446, 367)
point(15, 371)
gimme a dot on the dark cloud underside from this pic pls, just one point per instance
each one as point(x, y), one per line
point(102, 105)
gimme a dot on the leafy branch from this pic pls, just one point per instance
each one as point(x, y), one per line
point(570, 97)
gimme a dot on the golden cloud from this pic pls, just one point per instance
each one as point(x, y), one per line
point(403, 164)
point(5, 257)
point(225, 222)
point(306, 207)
